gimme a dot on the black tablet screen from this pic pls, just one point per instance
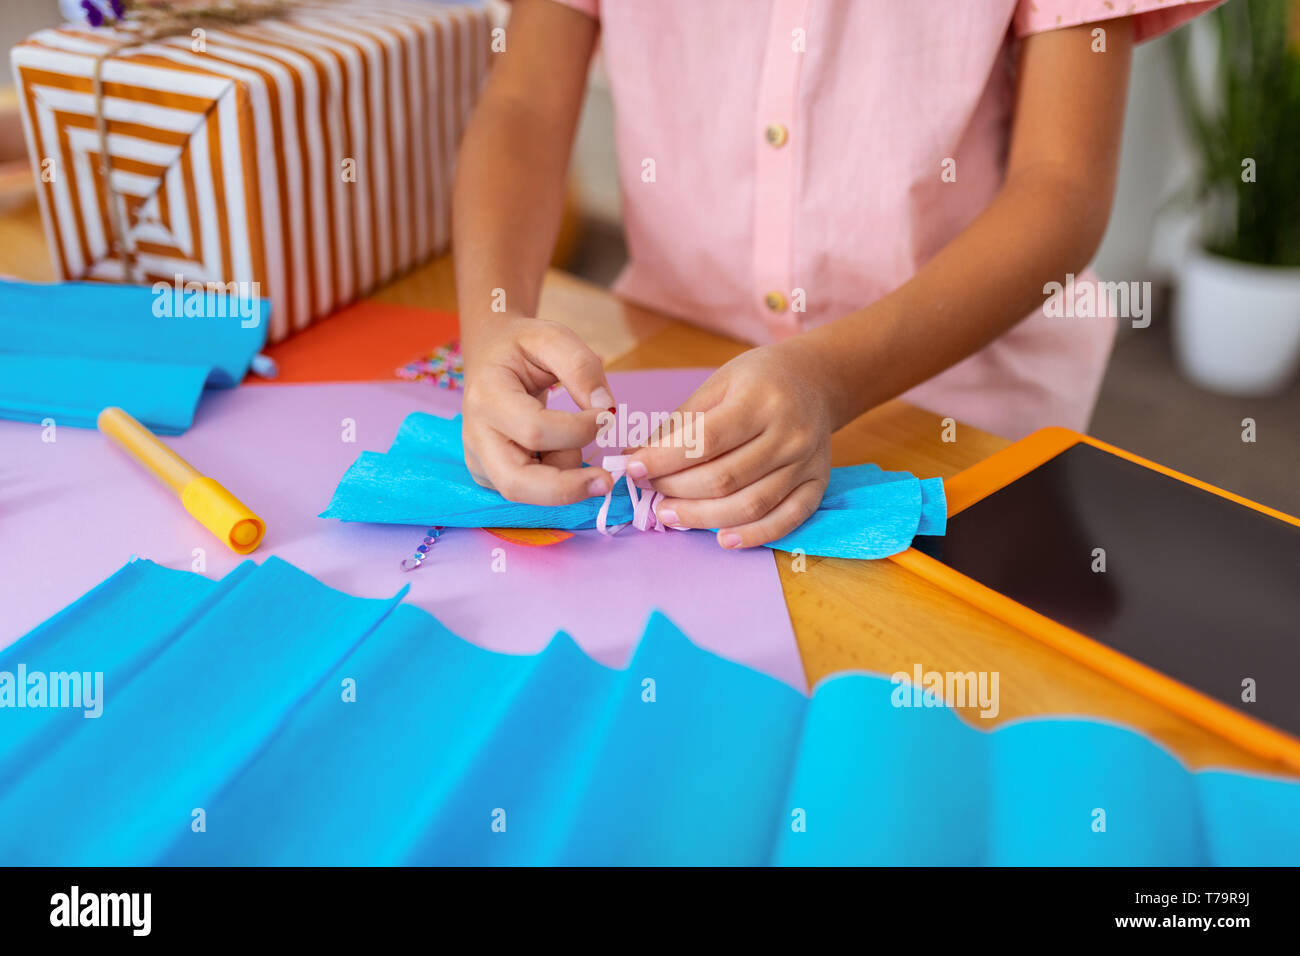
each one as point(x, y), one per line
point(1195, 586)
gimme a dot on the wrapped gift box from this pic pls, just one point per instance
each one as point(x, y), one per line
point(310, 153)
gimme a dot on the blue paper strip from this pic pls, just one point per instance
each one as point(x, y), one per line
point(71, 349)
point(310, 727)
point(422, 480)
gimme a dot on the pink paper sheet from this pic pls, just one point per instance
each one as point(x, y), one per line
point(74, 510)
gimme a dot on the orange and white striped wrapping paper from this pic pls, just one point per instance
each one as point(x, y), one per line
point(230, 162)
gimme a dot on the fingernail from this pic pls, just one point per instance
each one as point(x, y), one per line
point(601, 398)
point(729, 540)
point(597, 486)
point(668, 516)
point(637, 469)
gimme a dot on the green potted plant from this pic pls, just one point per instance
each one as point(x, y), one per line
point(1237, 319)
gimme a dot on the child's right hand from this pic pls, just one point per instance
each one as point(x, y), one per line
point(513, 443)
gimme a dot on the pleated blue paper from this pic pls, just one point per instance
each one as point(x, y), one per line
point(422, 480)
point(267, 719)
point(68, 350)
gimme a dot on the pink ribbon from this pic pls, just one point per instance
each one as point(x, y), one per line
point(645, 504)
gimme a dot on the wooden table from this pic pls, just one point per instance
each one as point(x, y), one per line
point(871, 615)
point(847, 615)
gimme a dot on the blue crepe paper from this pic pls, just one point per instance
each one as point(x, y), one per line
point(422, 480)
point(69, 350)
point(229, 696)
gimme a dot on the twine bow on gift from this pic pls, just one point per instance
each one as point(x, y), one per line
point(144, 23)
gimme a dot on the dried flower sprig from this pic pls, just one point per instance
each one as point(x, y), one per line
point(97, 15)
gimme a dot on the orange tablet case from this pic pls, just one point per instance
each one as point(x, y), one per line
point(981, 480)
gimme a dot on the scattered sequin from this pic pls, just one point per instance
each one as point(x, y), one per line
point(443, 367)
point(422, 551)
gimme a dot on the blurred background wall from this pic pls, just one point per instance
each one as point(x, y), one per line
point(21, 17)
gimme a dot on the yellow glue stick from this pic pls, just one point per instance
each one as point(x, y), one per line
point(216, 509)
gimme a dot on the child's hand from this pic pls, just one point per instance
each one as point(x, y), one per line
point(513, 443)
point(762, 452)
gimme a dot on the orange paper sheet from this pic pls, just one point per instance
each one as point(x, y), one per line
point(365, 342)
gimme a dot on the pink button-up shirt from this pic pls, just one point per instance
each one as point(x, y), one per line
point(781, 160)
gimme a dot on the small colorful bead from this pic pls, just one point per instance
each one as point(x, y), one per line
point(444, 367)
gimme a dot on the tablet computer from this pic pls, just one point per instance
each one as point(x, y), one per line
point(1182, 591)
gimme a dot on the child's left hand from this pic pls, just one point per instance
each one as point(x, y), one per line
point(762, 452)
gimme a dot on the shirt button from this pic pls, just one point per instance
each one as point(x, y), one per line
point(776, 135)
point(775, 301)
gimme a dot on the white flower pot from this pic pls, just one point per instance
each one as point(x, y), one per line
point(1237, 325)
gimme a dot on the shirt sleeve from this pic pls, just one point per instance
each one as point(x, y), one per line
point(1151, 18)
